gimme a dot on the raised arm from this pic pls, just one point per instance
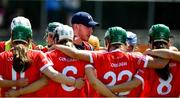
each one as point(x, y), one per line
point(37, 85)
point(74, 53)
point(156, 62)
point(165, 53)
point(151, 61)
point(60, 78)
point(97, 84)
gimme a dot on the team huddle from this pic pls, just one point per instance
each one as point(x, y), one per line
point(74, 65)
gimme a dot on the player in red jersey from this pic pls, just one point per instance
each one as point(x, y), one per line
point(158, 82)
point(76, 70)
point(6, 45)
point(113, 66)
point(68, 66)
point(131, 47)
point(131, 41)
point(14, 63)
point(62, 36)
point(163, 82)
point(21, 62)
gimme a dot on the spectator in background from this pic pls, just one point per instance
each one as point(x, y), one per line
point(53, 7)
point(71, 6)
point(2, 12)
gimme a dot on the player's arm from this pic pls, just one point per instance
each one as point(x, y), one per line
point(74, 53)
point(165, 53)
point(37, 85)
point(97, 84)
point(156, 62)
point(126, 86)
point(150, 61)
point(60, 78)
point(12, 83)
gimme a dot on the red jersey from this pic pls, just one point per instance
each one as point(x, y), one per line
point(70, 67)
point(32, 73)
point(154, 86)
point(117, 67)
point(2, 46)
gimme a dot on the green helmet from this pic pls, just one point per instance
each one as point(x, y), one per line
point(51, 26)
point(116, 35)
point(21, 33)
point(159, 32)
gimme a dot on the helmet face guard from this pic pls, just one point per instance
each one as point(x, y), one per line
point(51, 27)
point(63, 33)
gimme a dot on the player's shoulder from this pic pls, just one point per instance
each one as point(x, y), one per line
point(54, 52)
point(35, 53)
point(2, 42)
point(2, 45)
point(5, 54)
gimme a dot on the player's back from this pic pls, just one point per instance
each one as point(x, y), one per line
point(70, 67)
point(116, 67)
point(154, 86)
point(32, 73)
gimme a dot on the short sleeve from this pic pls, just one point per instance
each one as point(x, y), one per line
point(96, 58)
point(43, 61)
point(140, 60)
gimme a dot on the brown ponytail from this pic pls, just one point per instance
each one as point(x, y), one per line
point(21, 62)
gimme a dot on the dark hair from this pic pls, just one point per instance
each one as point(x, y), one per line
point(21, 62)
point(163, 73)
